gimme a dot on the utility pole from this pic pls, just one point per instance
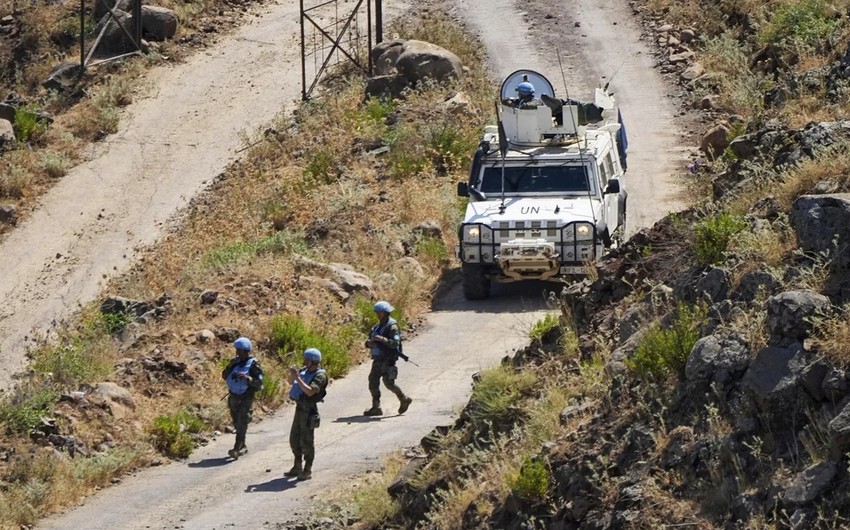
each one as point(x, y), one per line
point(379, 21)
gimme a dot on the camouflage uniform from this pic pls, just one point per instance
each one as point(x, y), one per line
point(301, 439)
point(240, 404)
point(384, 358)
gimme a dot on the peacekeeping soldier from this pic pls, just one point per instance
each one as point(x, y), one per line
point(244, 378)
point(308, 388)
point(383, 343)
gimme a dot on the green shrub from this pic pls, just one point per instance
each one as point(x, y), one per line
point(533, 481)
point(712, 236)
point(498, 392)
point(23, 411)
point(172, 435)
point(283, 243)
point(662, 351)
point(28, 126)
point(804, 23)
point(543, 326)
point(54, 164)
point(432, 248)
point(377, 109)
point(449, 146)
point(271, 388)
point(79, 357)
point(292, 336)
point(322, 168)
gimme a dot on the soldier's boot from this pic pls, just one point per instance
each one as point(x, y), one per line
point(307, 472)
point(296, 468)
point(375, 410)
point(404, 404)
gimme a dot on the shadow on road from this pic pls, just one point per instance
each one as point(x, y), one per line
point(211, 462)
point(522, 297)
point(359, 419)
point(274, 485)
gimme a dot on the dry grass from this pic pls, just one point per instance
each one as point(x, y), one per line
point(832, 337)
point(831, 167)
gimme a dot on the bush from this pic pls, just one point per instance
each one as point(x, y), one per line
point(292, 336)
point(712, 236)
point(532, 482)
point(283, 243)
point(803, 23)
point(28, 125)
point(22, 412)
point(497, 393)
point(172, 435)
point(80, 358)
point(432, 248)
point(271, 388)
point(542, 327)
point(661, 351)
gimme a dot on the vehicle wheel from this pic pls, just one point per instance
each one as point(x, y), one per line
point(475, 285)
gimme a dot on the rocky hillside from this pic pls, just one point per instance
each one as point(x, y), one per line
point(701, 380)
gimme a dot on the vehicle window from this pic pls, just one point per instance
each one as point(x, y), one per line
point(535, 179)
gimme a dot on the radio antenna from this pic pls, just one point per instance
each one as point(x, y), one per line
point(580, 148)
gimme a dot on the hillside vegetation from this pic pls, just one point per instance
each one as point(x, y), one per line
point(344, 201)
point(701, 380)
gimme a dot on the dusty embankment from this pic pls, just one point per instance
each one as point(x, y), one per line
point(458, 340)
point(170, 146)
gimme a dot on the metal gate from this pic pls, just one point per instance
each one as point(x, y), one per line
point(115, 36)
point(332, 33)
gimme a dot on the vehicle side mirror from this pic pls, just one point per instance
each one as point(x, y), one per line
point(462, 189)
point(613, 186)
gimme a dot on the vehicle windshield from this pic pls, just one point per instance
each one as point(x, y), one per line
point(536, 179)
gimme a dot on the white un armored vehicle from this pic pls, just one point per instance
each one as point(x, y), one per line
point(546, 191)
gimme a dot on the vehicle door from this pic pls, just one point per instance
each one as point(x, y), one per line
point(610, 200)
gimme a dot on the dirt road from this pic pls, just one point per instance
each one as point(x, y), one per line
point(209, 492)
point(170, 146)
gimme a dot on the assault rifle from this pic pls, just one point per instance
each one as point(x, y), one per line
point(396, 352)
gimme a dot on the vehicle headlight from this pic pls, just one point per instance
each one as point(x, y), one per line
point(584, 231)
point(477, 233)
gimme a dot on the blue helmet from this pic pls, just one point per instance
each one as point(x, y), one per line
point(243, 343)
point(383, 306)
point(525, 89)
point(312, 354)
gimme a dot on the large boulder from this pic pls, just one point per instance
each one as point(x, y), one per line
point(716, 359)
point(715, 140)
point(810, 483)
point(389, 85)
point(822, 224)
point(773, 377)
point(753, 283)
point(7, 135)
point(115, 38)
point(158, 23)
point(839, 429)
point(7, 112)
point(100, 7)
point(8, 214)
point(698, 285)
point(385, 55)
point(422, 60)
point(790, 314)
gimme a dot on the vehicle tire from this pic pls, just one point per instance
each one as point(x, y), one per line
point(475, 285)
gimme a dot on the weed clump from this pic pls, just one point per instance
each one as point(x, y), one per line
point(664, 351)
point(533, 480)
point(172, 434)
point(292, 336)
point(498, 392)
point(712, 237)
point(23, 412)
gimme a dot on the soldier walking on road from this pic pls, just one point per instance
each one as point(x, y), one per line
point(384, 342)
point(308, 388)
point(244, 378)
